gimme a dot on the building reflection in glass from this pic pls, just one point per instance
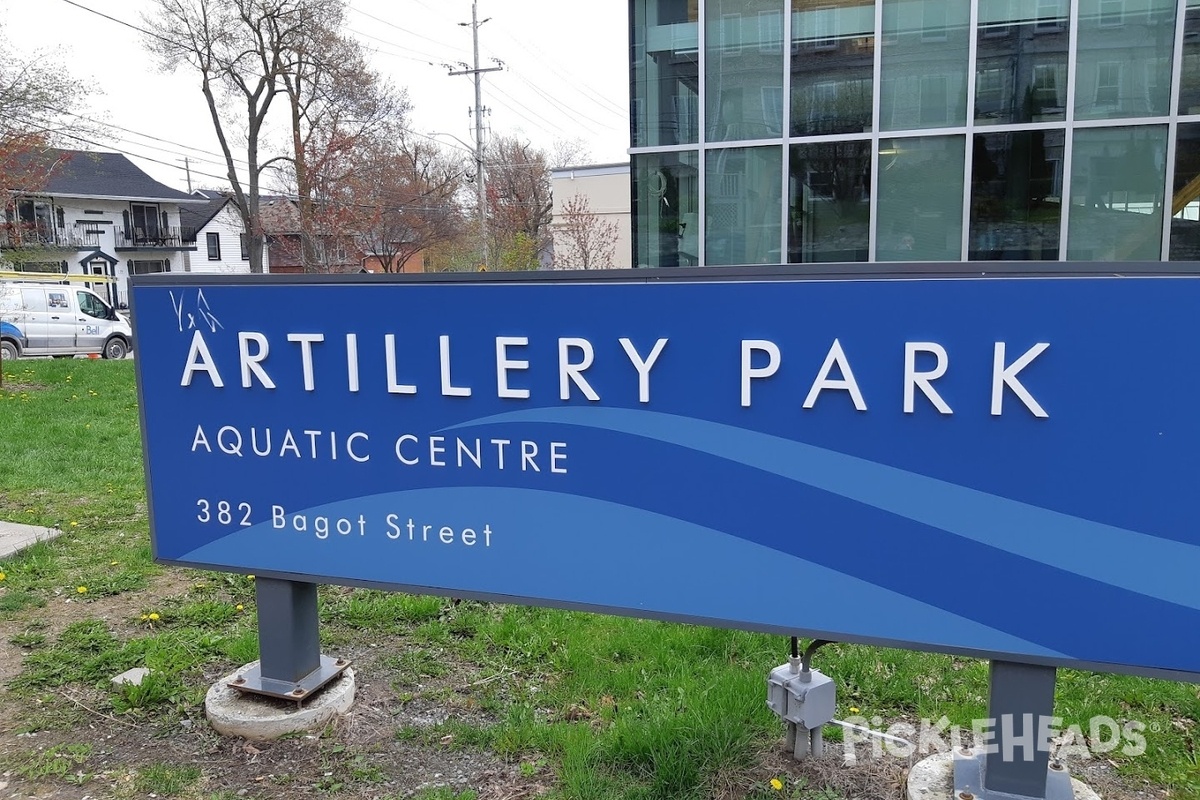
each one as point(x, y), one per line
point(1021, 67)
point(1117, 177)
point(743, 200)
point(829, 204)
point(664, 72)
point(920, 199)
point(1016, 196)
point(925, 51)
point(833, 53)
point(1189, 78)
point(743, 69)
point(1125, 49)
point(1185, 200)
point(665, 214)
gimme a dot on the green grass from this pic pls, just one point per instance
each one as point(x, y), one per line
point(599, 708)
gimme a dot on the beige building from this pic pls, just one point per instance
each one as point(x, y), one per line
point(583, 241)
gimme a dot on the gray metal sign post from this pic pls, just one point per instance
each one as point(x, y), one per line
point(1014, 761)
point(290, 662)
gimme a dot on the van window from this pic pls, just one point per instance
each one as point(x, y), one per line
point(92, 306)
point(10, 298)
point(58, 300)
point(35, 299)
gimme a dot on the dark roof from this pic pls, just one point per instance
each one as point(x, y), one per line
point(83, 173)
point(193, 218)
point(278, 215)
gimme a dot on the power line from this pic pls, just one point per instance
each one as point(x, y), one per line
point(402, 30)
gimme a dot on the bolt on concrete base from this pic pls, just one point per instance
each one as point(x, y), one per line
point(932, 778)
point(235, 713)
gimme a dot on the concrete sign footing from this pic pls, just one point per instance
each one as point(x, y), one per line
point(236, 713)
point(933, 778)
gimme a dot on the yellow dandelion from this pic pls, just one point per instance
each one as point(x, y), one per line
point(241, 607)
point(2, 576)
point(145, 617)
point(74, 524)
point(113, 563)
point(81, 589)
point(249, 577)
point(153, 616)
point(853, 710)
point(777, 784)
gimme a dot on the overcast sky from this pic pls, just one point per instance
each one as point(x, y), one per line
point(565, 74)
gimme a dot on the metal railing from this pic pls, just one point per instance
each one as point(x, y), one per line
point(15, 235)
point(151, 239)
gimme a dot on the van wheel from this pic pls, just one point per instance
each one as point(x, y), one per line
point(9, 351)
point(115, 348)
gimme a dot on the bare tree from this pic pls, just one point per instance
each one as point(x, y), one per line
point(336, 103)
point(519, 202)
point(405, 199)
point(240, 50)
point(588, 241)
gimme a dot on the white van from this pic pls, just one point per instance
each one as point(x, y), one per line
point(49, 319)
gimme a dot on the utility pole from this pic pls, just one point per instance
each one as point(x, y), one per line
point(188, 167)
point(480, 171)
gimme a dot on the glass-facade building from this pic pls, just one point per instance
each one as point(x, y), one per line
point(807, 131)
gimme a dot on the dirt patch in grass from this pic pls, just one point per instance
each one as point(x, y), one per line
point(391, 743)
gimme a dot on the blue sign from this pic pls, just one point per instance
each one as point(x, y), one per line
point(997, 467)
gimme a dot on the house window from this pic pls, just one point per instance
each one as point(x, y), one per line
point(770, 31)
point(1045, 84)
point(1050, 15)
point(244, 244)
point(36, 220)
point(214, 246)
point(823, 29)
point(144, 221)
point(772, 107)
point(731, 33)
point(148, 267)
point(935, 98)
point(1108, 83)
point(1112, 13)
point(934, 21)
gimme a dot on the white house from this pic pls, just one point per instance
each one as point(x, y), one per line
point(216, 235)
point(86, 213)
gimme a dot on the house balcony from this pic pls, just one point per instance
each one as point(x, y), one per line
point(34, 236)
point(157, 239)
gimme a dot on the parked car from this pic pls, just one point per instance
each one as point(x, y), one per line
point(50, 319)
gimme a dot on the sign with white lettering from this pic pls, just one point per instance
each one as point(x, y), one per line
point(984, 466)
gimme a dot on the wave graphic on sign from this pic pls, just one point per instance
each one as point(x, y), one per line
point(588, 552)
point(1165, 569)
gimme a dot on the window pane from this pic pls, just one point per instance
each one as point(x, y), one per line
point(924, 78)
point(666, 200)
point(829, 204)
point(1125, 50)
point(744, 69)
point(1016, 204)
point(743, 203)
point(1117, 179)
point(1189, 87)
point(1021, 67)
point(1185, 201)
point(664, 72)
point(833, 53)
point(920, 199)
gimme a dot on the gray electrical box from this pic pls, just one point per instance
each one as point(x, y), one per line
point(807, 703)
